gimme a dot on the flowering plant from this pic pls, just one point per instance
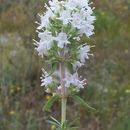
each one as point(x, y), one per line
point(60, 31)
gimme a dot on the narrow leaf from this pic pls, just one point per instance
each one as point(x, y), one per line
point(55, 120)
point(49, 103)
point(53, 68)
point(82, 102)
point(53, 123)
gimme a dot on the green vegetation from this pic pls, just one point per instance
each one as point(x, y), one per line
point(107, 72)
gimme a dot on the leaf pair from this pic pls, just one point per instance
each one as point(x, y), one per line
point(51, 101)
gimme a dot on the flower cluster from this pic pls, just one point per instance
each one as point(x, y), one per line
point(74, 81)
point(60, 31)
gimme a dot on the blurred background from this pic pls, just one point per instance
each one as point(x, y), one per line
point(107, 72)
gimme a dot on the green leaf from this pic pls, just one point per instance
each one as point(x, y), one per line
point(55, 120)
point(49, 103)
point(53, 67)
point(68, 126)
point(69, 66)
point(52, 123)
point(82, 102)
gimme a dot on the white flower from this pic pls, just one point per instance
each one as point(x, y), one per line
point(40, 48)
point(45, 36)
point(45, 22)
point(45, 43)
point(91, 19)
point(83, 21)
point(54, 5)
point(65, 16)
point(46, 79)
point(77, 65)
point(74, 80)
point(77, 20)
point(65, 21)
point(73, 4)
point(59, 88)
point(84, 52)
point(82, 3)
point(87, 29)
point(62, 40)
point(77, 38)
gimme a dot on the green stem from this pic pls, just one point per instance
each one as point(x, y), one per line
point(63, 93)
point(63, 110)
